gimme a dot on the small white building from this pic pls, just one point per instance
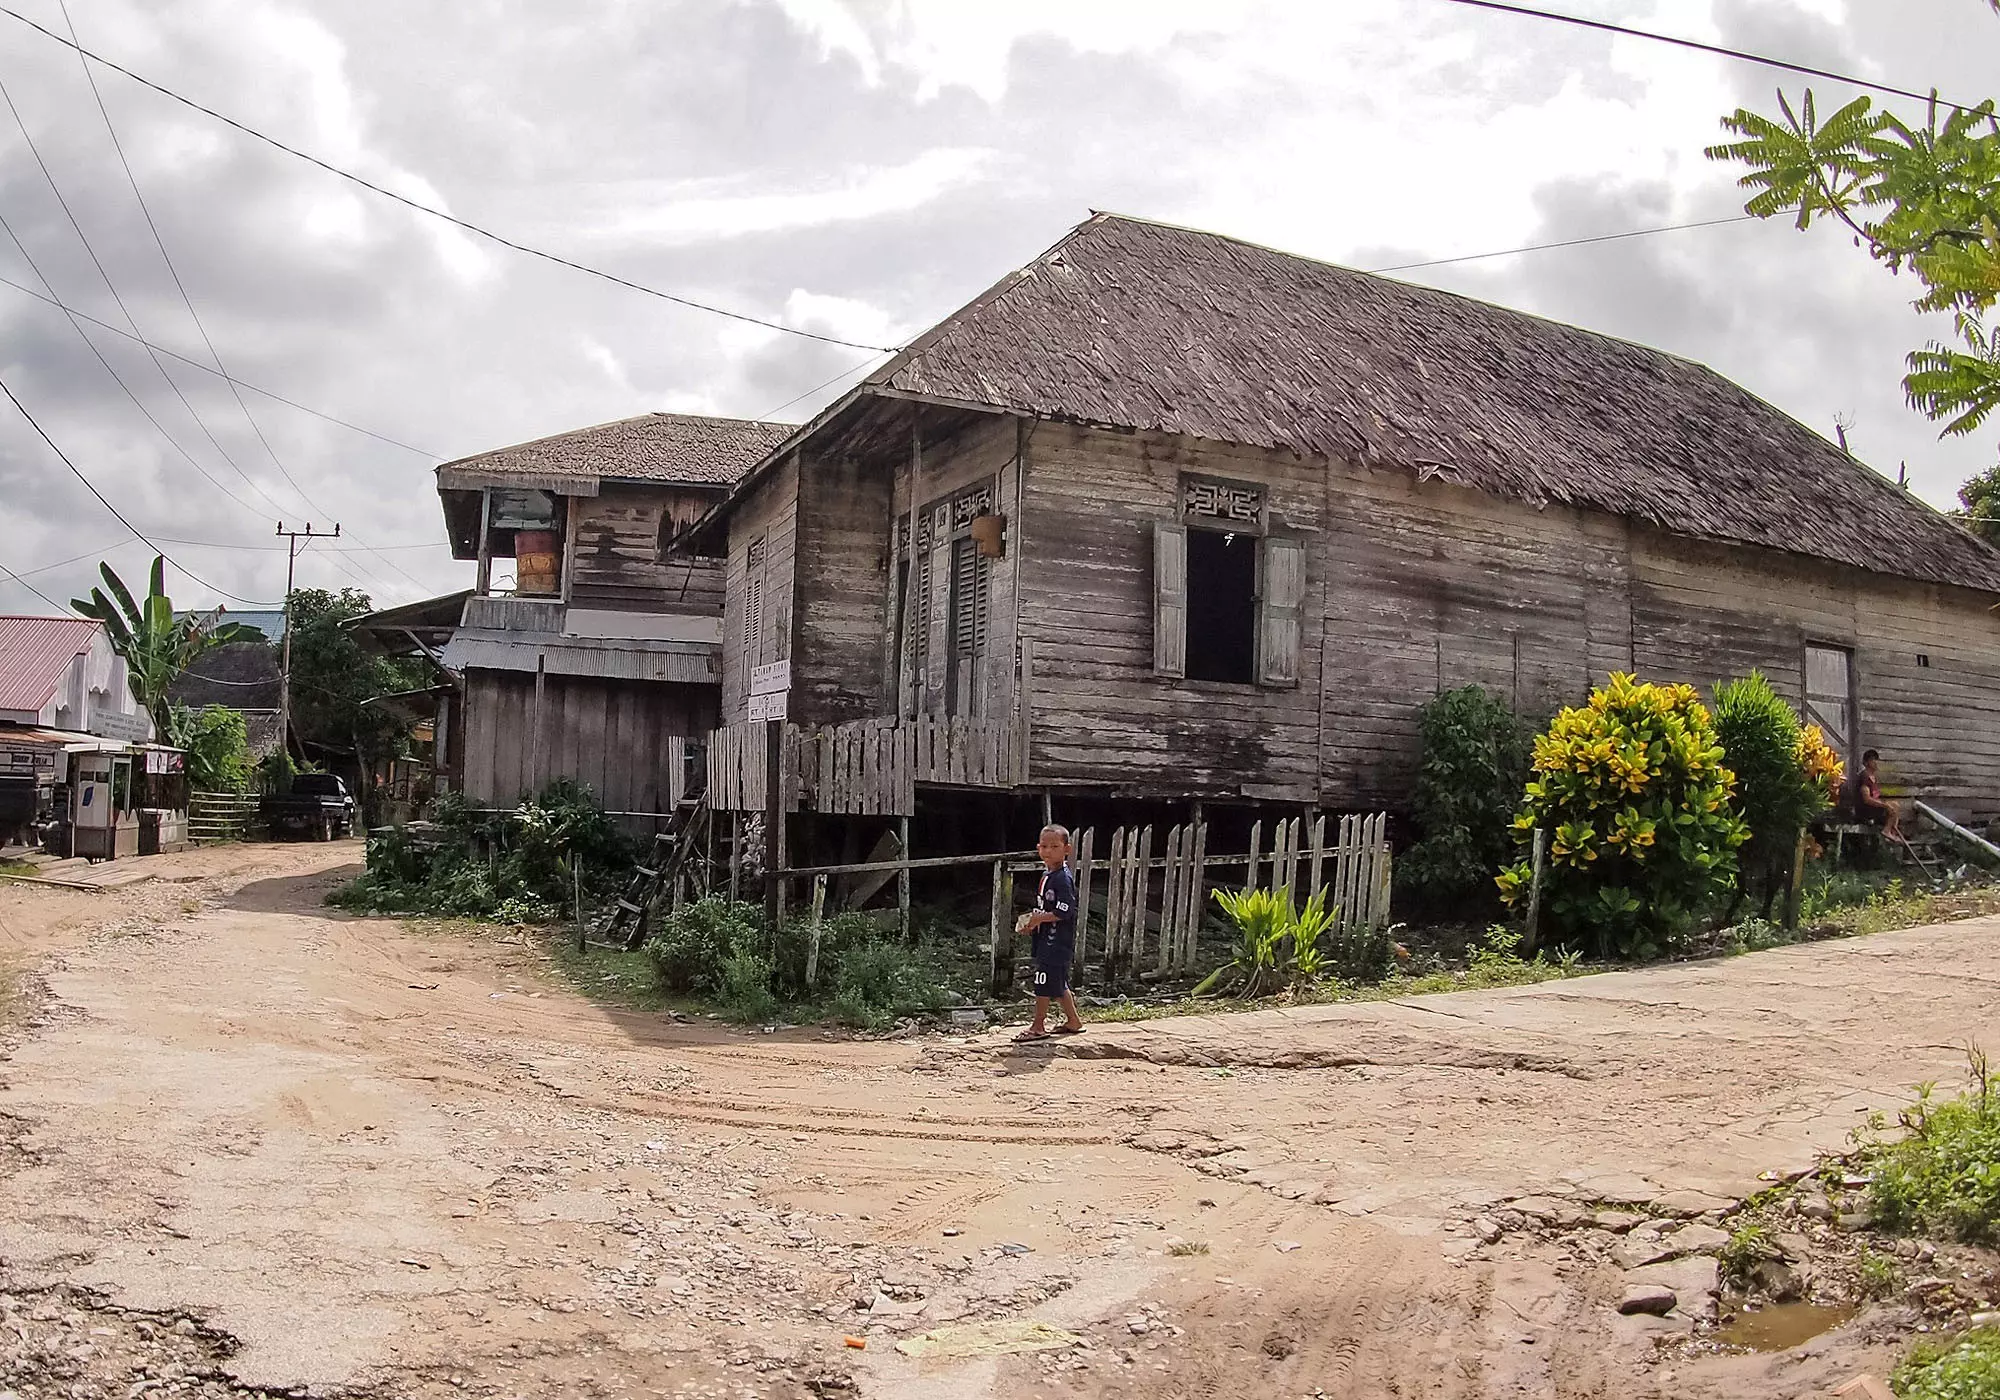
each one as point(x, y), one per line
point(61, 673)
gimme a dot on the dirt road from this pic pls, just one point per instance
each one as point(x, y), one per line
point(247, 1143)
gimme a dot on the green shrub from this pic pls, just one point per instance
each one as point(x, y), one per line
point(879, 982)
point(1782, 778)
point(523, 866)
point(1281, 946)
point(1475, 760)
point(838, 933)
point(1965, 1369)
point(218, 748)
point(690, 948)
point(745, 992)
point(1635, 801)
point(1943, 1176)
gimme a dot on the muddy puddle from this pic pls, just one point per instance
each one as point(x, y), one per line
point(1783, 1326)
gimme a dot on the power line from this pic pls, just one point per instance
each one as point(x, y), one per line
point(109, 368)
point(767, 415)
point(115, 512)
point(1568, 243)
point(209, 369)
point(421, 208)
point(1603, 26)
point(186, 300)
point(32, 589)
point(112, 287)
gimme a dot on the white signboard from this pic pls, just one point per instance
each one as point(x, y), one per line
point(774, 679)
point(768, 707)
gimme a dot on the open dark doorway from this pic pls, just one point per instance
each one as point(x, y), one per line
point(1221, 607)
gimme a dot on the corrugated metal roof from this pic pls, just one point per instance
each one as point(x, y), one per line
point(35, 652)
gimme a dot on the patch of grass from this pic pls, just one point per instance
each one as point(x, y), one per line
point(615, 978)
point(16, 867)
point(1942, 1176)
point(1965, 1369)
point(1877, 1275)
point(1748, 1247)
point(1187, 1249)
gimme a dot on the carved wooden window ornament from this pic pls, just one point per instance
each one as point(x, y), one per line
point(1220, 502)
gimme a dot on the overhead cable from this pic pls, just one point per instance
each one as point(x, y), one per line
point(435, 213)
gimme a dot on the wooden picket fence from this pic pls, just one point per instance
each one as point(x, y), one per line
point(1150, 930)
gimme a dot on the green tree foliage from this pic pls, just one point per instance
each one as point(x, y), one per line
point(155, 644)
point(1921, 197)
point(1979, 500)
point(1475, 760)
point(332, 676)
point(1636, 803)
point(1782, 776)
point(218, 748)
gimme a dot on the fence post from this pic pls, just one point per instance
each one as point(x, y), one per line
point(1114, 904)
point(812, 945)
point(1197, 897)
point(1318, 854)
point(1000, 931)
point(1535, 892)
point(1144, 878)
point(1082, 902)
point(1256, 837)
point(1793, 891)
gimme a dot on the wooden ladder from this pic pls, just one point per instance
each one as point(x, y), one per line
point(673, 851)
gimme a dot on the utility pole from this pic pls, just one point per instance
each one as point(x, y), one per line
point(292, 538)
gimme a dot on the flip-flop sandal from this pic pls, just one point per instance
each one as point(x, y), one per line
point(1030, 1037)
point(1068, 1030)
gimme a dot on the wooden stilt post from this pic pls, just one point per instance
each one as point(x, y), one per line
point(903, 880)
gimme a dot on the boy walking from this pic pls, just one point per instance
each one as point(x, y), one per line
point(1053, 925)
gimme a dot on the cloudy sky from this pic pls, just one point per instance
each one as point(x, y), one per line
point(856, 167)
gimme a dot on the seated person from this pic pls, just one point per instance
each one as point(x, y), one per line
point(1863, 798)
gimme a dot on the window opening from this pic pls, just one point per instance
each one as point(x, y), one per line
point(1221, 607)
point(1830, 696)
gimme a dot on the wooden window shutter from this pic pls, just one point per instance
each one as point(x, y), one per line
point(937, 620)
point(753, 603)
point(1170, 599)
point(1279, 606)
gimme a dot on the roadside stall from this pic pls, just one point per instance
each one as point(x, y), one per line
point(162, 781)
point(103, 806)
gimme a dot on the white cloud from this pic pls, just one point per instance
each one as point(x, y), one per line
point(702, 210)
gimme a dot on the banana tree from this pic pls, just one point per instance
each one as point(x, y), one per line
point(155, 644)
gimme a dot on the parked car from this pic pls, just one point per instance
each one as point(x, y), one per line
point(319, 805)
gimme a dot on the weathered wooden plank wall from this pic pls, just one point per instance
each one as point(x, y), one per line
point(1411, 586)
point(843, 529)
point(768, 516)
point(625, 740)
point(616, 561)
point(1100, 715)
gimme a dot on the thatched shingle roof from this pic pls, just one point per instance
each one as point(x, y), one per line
point(664, 447)
point(239, 675)
point(1141, 325)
